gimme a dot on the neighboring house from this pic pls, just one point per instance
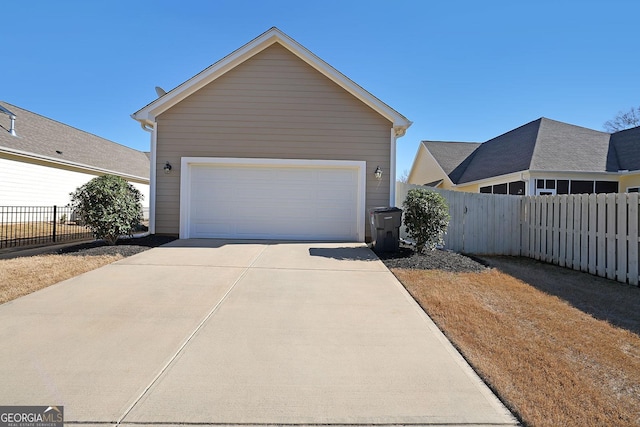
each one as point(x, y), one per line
point(42, 160)
point(541, 157)
point(270, 142)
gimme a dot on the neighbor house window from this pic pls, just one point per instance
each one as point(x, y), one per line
point(581, 187)
point(545, 187)
point(633, 189)
point(514, 188)
point(606, 187)
point(562, 186)
point(575, 186)
point(500, 189)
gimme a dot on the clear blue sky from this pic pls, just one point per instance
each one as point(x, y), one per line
point(460, 70)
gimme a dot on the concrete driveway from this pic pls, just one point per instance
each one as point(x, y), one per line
point(219, 332)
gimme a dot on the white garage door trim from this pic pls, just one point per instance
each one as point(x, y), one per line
point(188, 162)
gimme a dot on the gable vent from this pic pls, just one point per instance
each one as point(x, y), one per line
point(12, 117)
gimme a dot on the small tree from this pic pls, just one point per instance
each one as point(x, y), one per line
point(426, 216)
point(623, 120)
point(109, 206)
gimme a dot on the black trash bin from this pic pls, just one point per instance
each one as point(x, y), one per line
point(385, 228)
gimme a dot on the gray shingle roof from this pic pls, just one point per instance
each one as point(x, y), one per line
point(44, 137)
point(626, 145)
point(507, 153)
point(452, 156)
point(541, 145)
point(564, 147)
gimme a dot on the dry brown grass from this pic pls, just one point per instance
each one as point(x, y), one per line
point(552, 364)
point(21, 276)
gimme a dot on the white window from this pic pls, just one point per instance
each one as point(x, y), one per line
point(633, 189)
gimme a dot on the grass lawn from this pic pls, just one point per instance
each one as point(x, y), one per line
point(21, 276)
point(552, 363)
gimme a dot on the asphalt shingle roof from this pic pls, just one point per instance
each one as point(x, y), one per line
point(541, 145)
point(507, 153)
point(41, 136)
point(564, 147)
point(626, 145)
point(452, 157)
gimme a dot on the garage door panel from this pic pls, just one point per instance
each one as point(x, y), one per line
point(273, 201)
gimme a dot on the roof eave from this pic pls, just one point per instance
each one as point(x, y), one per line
point(149, 113)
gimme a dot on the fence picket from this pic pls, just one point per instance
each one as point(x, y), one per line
point(634, 238)
point(591, 236)
point(621, 235)
point(601, 235)
point(611, 236)
point(562, 230)
point(569, 257)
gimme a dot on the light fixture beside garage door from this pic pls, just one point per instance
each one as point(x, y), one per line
point(378, 173)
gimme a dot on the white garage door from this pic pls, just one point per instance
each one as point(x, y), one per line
point(273, 199)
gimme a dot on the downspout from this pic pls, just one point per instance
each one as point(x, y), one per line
point(152, 129)
point(396, 132)
point(392, 169)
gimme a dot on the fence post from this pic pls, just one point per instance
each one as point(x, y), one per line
point(55, 222)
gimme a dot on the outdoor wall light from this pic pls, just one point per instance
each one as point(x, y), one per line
point(167, 167)
point(378, 173)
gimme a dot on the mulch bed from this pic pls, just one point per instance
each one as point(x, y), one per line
point(436, 259)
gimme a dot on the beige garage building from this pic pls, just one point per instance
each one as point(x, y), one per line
point(270, 142)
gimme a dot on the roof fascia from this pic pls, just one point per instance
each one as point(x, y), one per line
point(25, 154)
point(149, 113)
point(519, 174)
point(578, 173)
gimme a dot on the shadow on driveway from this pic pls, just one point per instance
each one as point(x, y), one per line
point(345, 253)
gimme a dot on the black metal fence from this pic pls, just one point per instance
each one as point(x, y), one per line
point(39, 225)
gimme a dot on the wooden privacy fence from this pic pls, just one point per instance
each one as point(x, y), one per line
point(598, 234)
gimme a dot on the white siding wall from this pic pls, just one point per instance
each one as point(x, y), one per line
point(28, 184)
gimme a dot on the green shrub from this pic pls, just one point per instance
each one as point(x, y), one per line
point(426, 216)
point(109, 206)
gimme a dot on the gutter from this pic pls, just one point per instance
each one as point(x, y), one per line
point(26, 154)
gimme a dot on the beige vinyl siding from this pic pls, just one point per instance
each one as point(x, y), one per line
point(273, 105)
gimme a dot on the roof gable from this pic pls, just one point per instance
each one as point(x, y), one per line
point(507, 153)
point(565, 147)
point(148, 114)
point(453, 157)
point(48, 140)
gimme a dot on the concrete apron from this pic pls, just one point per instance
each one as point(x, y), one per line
point(228, 332)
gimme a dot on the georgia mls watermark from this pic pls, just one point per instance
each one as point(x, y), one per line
point(31, 416)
